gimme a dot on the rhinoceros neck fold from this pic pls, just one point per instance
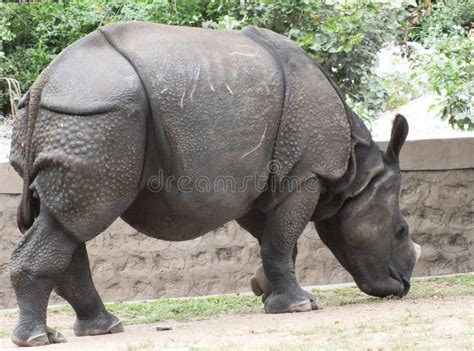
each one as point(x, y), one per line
point(365, 164)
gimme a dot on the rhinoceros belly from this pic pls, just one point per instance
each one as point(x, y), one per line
point(182, 208)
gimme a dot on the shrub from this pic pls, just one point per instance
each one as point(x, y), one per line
point(447, 17)
point(448, 60)
point(450, 69)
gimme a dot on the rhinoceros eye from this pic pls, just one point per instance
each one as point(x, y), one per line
point(402, 231)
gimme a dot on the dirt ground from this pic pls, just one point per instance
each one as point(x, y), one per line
point(436, 323)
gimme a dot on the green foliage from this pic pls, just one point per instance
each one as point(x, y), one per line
point(448, 61)
point(401, 89)
point(31, 35)
point(450, 68)
point(403, 82)
point(343, 35)
point(346, 37)
point(447, 17)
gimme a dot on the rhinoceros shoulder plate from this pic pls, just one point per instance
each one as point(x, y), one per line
point(314, 133)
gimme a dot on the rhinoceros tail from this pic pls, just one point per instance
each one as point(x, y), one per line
point(29, 207)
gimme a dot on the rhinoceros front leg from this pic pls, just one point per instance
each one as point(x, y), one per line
point(261, 286)
point(77, 288)
point(37, 263)
point(283, 226)
point(254, 223)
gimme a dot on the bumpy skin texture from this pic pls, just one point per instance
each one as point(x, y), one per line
point(131, 109)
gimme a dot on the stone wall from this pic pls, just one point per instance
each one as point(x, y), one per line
point(438, 204)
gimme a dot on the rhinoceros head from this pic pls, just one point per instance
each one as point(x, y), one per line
point(366, 230)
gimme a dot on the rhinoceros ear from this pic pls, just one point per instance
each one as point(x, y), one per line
point(399, 135)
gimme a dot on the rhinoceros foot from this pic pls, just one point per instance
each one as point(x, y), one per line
point(316, 303)
point(104, 323)
point(261, 286)
point(287, 302)
point(36, 338)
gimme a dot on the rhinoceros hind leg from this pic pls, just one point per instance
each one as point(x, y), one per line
point(260, 284)
point(38, 261)
point(254, 223)
point(316, 303)
point(77, 288)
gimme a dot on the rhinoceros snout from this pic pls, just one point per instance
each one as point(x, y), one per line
point(417, 251)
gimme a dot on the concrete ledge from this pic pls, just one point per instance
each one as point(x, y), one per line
point(436, 154)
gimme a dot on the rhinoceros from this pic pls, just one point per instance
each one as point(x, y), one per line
point(179, 130)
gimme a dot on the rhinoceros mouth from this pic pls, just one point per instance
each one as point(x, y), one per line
point(401, 279)
point(406, 286)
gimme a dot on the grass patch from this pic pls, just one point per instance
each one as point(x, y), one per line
point(4, 334)
point(421, 288)
point(454, 285)
point(60, 309)
point(343, 296)
point(184, 309)
point(202, 307)
point(181, 309)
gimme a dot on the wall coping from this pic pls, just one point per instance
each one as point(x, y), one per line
point(436, 154)
point(417, 155)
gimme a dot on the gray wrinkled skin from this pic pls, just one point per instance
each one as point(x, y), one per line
point(135, 102)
